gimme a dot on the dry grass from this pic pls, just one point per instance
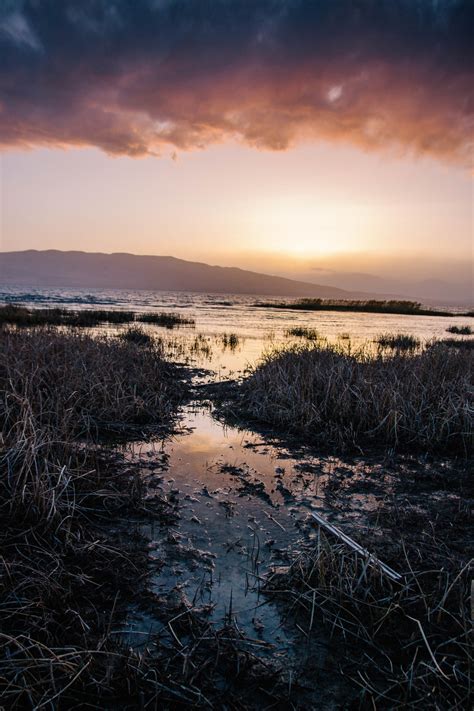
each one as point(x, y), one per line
point(302, 332)
point(70, 566)
point(135, 334)
point(409, 308)
point(398, 341)
point(330, 395)
point(64, 577)
point(463, 343)
point(404, 644)
point(25, 317)
point(75, 384)
point(461, 330)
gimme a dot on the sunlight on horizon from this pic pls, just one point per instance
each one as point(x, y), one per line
point(312, 201)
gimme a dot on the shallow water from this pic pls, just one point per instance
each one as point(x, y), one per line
point(244, 503)
point(233, 519)
point(258, 329)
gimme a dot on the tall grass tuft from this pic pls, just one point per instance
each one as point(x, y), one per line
point(461, 330)
point(168, 320)
point(73, 384)
point(328, 395)
point(404, 644)
point(303, 332)
point(394, 306)
point(230, 340)
point(398, 341)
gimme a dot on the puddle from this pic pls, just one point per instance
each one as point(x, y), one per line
point(242, 503)
point(234, 520)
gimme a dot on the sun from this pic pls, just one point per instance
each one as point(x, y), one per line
point(303, 227)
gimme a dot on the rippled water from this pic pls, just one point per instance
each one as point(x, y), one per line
point(231, 313)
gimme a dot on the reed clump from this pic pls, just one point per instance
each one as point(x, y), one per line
point(23, 317)
point(76, 384)
point(303, 332)
point(168, 320)
point(94, 317)
point(394, 306)
point(461, 330)
point(398, 341)
point(230, 340)
point(135, 334)
point(330, 395)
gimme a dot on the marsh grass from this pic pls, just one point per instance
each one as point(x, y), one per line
point(332, 395)
point(461, 330)
point(230, 340)
point(200, 346)
point(466, 344)
point(413, 308)
point(398, 341)
point(71, 567)
point(24, 317)
point(65, 577)
point(310, 334)
point(77, 384)
point(404, 644)
point(168, 320)
point(135, 334)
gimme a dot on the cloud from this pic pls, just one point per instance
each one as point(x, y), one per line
point(140, 77)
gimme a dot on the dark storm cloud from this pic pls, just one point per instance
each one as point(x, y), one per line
point(149, 76)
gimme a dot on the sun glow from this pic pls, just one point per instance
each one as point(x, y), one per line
point(305, 227)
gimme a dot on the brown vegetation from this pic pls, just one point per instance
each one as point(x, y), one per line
point(461, 330)
point(406, 643)
point(23, 317)
point(303, 332)
point(64, 576)
point(408, 308)
point(330, 395)
point(398, 341)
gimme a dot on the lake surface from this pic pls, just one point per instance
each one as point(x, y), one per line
point(215, 314)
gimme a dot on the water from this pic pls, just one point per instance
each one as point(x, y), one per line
point(258, 329)
point(244, 503)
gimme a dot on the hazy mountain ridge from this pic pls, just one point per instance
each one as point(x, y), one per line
point(54, 268)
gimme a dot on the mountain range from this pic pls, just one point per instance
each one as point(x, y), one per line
point(54, 268)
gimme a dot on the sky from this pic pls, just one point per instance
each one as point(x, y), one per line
point(326, 140)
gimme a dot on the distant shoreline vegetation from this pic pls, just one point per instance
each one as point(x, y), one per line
point(22, 316)
point(409, 308)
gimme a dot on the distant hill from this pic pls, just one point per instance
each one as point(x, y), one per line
point(53, 268)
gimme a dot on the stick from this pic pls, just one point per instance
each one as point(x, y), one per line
point(373, 560)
